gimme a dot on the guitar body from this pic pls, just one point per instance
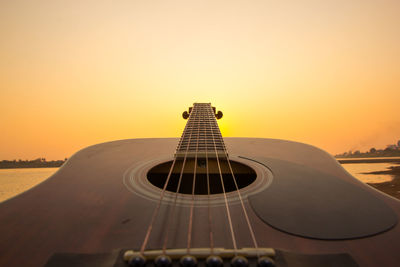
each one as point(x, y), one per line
point(100, 201)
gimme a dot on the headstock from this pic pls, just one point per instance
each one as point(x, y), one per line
point(218, 114)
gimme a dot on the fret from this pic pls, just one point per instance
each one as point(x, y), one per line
point(193, 141)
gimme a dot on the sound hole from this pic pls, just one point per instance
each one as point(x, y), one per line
point(244, 176)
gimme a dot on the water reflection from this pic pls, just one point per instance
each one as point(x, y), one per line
point(358, 170)
point(16, 181)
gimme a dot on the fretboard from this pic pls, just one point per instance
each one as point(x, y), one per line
point(201, 135)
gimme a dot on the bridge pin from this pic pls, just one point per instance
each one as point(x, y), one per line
point(136, 260)
point(214, 261)
point(239, 261)
point(188, 261)
point(163, 261)
point(265, 262)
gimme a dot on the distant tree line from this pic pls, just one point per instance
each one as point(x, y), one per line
point(36, 163)
point(392, 150)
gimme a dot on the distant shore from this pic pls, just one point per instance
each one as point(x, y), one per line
point(42, 163)
point(390, 151)
point(369, 160)
point(37, 163)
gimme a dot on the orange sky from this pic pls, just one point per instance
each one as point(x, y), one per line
point(76, 73)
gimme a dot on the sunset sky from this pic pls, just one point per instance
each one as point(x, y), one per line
point(77, 73)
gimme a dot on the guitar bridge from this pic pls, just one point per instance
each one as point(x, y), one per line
point(280, 258)
point(202, 253)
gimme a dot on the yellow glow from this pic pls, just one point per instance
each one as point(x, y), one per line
point(77, 73)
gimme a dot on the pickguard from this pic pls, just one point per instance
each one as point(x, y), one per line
point(307, 202)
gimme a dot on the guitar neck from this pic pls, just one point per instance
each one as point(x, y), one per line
point(201, 136)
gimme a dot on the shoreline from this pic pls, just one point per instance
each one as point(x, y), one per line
point(5, 164)
point(394, 170)
point(29, 167)
point(37, 163)
point(391, 188)
point(365, 160)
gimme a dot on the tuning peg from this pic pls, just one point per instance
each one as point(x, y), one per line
point(219, 115)
point(185, 115)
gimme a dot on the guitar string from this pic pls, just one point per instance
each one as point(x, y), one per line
point(224, 193)
point(208, 189)
point(164, 248)
point(156, 210)
point(209, 197)
point(253, 237)
point(189, 238)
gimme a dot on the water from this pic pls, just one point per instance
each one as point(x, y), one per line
point(357, 170)
point(16, 181)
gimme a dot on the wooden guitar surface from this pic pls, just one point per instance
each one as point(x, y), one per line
point(91, 205)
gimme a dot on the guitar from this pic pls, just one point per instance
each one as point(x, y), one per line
point(214, 202)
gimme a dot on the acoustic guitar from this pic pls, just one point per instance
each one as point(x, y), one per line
point(200, 201)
